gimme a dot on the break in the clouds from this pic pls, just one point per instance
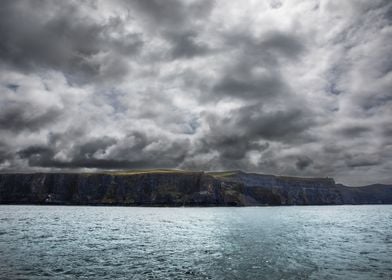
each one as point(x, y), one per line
point(284, 87)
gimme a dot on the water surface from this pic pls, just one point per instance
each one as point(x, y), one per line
point(304, 242)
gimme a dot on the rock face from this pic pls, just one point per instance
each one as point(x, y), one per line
point(178, 188)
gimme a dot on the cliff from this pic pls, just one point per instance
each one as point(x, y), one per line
point(180, 188)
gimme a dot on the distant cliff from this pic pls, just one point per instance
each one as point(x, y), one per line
point(180, 188)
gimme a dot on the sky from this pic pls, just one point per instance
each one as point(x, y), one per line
point(301, 88)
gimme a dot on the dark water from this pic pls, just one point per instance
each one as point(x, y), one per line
point(328, 242)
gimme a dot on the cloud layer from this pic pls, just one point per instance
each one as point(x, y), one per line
point(300, 88)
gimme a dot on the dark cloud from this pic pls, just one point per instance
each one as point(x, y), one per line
point(261, 122)
point(254, 71)
point(59, 36)
point(96, 146)
point(249, 130)
point(362, 159)
point(35, 151)
point(282, 43)
point(24, 116)
point(185, 45)
point(12, 87)
point(267, 47)
point(229, 146)
point(177, 22)
point(354, 130)
point(174, 14)
point(388, 13)
point(38, 156)
point(249, 86)
point(303, 162)
point(387, 130)
point(105, 152)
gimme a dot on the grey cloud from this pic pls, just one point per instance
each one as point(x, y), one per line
point(362, 159)
point(255, 71)
point(171, 13)
point(387, 130)
point(186, 46)
point(94, 146)
point(5, 153)
point(24, 116)
point(269, 46)
point(388, 13)
point(39, 156)
point(249, 128)
point(354, 130)
point(106, 152)
point(245, 86)
point(264, 121)
point(59, 36)
point(175, 21)
point(12, 87)
point(155, 151)
point(230, 146)
point(282, 43)
point(35, 151)
point(303, 162)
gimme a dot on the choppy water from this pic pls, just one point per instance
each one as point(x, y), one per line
point(64, 242)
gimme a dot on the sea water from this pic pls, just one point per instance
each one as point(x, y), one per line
point(293, 242)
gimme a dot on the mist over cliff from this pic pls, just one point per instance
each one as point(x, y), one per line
point(182, 188)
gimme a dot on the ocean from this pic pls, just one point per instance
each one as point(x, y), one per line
point(291, 242)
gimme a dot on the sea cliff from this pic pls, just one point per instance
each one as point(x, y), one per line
point(181, 188)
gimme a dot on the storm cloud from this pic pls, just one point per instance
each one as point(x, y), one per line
point(301, 89)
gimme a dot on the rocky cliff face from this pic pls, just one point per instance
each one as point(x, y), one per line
point(177, 188)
